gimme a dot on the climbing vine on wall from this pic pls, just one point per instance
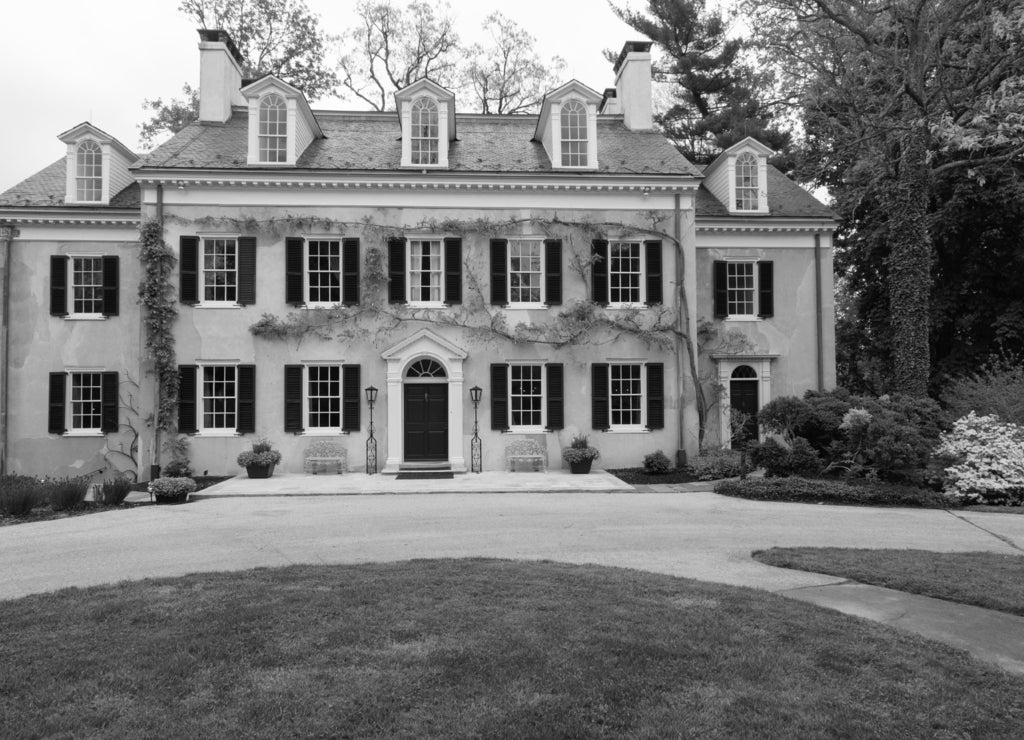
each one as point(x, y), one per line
point(156, 294)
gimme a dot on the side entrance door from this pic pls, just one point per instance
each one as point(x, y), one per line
point(426, 421)
point(743, 398)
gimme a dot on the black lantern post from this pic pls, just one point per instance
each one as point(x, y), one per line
point(476, 447)
point(371, 443)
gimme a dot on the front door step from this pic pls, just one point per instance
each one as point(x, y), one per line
point(424, 466)
point(425, 475)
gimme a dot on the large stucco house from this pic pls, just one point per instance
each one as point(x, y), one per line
point(566, 264)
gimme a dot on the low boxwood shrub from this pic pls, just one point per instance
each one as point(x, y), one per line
point(656, 463)
point(66, 493)
point(803, 490)
point(780, 460)
point(112, 492)
point(19, 494)
point(988, 461)
point(716, 464)
point(171, 487)
point(177, 468)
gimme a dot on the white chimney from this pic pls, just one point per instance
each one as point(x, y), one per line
point(220, 76)
point(633, 85)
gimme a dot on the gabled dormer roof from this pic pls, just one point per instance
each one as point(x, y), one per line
point(749, 144)
point(571, 89)
point(441, 94)
point(272, 83)
point(86, 130)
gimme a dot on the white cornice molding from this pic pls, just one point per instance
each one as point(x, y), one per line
point(769, 224)
point(70, 218)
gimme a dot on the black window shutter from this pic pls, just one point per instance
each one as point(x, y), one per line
point(654, 278)
point(553, 272)
point(499, 396)
point(110, 403)
point(721, 289)
point(599, 271)
point(453, 270)
point(246, 421)
point(188, 269)
point(556, 395)
point(293, 271)
point(247, 270)
point(655, 395)
point(396, 269)
point(187, 399)
point(58, 285)
point(499, 272)
point(350, 272)
point(599, 395)
point(111, 278)
point(293, 398)
point(350, 392)
point(765, 291)
point(55, 418)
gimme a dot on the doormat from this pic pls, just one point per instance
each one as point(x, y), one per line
point(438, 475)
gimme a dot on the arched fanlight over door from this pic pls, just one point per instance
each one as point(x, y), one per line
point(425, 368)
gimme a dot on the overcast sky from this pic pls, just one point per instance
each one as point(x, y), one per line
point(65, 61)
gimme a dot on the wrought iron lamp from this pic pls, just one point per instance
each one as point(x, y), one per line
point(371, 442)
point(476, 447)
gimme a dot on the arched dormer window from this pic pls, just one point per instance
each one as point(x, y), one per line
point(89, 172)
point(425, 132)
point(574, 134)
point(746, 182)
point(273, 132)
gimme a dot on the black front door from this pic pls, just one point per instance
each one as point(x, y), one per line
point(426, 421)
point(743, 399)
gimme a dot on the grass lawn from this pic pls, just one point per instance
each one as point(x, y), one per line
point(475, 648)
point(985, 579)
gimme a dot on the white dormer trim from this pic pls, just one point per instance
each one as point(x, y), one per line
point(444, 100)
point(720, 176)
point(115, 159)
point(302, 126)
point(549, 123)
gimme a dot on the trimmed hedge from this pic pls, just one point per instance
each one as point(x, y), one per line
point(802, 490)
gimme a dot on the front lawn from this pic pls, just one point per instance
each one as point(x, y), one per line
point(476, 648)
point(984, 579)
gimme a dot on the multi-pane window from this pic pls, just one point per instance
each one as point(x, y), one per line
point(220, 270)
point(86, 400)
point(746, 182)
point(273, 131)
point(525, 270)
point(425, 132)
point(220, 397)
point(526, 395)
point(86, 285)
point(89, 172)
point(323, 394)
point(625, 395)
point(574, 134)
point(324, 270)
point(740, 285)
point(425, 270)
point(624, 272)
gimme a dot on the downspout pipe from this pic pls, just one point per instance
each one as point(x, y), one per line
point(7, 234)
point(820, 324)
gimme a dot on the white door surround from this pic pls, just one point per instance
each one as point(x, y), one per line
point(424, 344)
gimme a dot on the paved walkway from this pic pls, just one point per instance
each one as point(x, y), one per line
point(235, 526)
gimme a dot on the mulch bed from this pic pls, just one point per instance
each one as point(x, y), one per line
point(638, 475)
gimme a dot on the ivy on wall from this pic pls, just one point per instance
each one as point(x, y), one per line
point(156, 294)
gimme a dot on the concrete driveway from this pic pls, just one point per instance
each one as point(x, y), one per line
point(696, 535)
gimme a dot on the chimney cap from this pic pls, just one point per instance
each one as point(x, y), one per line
point(627, 48)
point(217, 34)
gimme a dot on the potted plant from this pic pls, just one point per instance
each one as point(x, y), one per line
point(259, 462)
point(171, 490)
point(579, 454)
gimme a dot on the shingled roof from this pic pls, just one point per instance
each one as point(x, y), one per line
point(363, 142)
point(786, 199)
point(49, 186)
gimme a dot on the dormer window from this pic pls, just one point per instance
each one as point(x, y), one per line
point(89, 172)
point(747, 182)
point(574, 134)
point(273, 136)
point(425, 132)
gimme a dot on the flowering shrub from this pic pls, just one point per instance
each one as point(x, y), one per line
point(989, 458)
point(716, 464)
point(171, 486)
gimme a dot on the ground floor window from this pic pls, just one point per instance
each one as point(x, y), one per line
point(526, 395)
point(628, 396)
point(220, 397)
point(83, 402)
point(86, 401)
point(323, 393)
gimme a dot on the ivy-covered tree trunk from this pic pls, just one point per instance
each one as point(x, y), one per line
point(910, 261)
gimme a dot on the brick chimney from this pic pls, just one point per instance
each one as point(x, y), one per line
point(220, 75)
point(633, 85)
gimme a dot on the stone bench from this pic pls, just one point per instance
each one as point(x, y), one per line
point(322, 455)
point(526, 450)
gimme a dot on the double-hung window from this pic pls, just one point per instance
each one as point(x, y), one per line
point(743, 289)
point(627, 273)
point(426, 132)
point(216, 398)
point(747, 191)
point(425, 271)
point(89, 172)
point(83, 402)
point(527, 396)
point(220, 397)
point(628, 396)
point(322, 398)
point(217, 270)
point(84, 286)
point(574, 134)
point(323, 261)
point(526, 272)
point(220, 271)
point(321, 271)
point(273, 131)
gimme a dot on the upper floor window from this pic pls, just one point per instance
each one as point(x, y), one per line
point(746, 182)
point(526, 272)
point(574, 134)
point(627, 273)
point(217, 270)
point(624, 272)
point(425, 132)
point(743, 289)
point(321, 271)
point(273, 131)
point(89, 171)
point(220, 271)
point(426, 271)
point(84, 286)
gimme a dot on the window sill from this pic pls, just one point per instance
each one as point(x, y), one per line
point(743, 318)
point(323, 432)
point(627, 305)
point(426, 304)
point(85, 317)
point(526, 307)
point(217, 433)
point(83, 433)
point(527, 430)
point(217, 305)
point(628, 430)
point(312, 306)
